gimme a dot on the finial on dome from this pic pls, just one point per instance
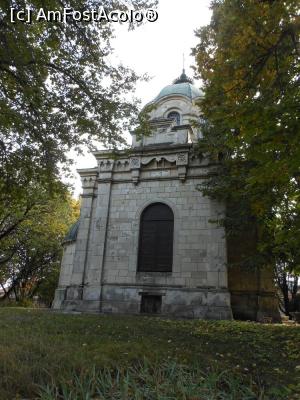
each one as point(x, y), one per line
point(183, 78)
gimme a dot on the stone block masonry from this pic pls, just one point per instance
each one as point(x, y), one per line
point(105, 271)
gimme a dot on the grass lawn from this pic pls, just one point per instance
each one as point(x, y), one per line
point(44, 348)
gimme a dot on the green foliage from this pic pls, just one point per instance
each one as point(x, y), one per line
point(63, 350)
point(31, 254)
point(144, 125)
point(25, 303)
point(59, 90)
point(58, 87)
point(167, 380)
point(248, 59)
point(46, 289)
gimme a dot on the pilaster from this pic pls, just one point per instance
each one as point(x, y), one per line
point(98, 236)
point(88, 179)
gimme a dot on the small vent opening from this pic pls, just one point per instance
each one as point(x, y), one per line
point(150, 304)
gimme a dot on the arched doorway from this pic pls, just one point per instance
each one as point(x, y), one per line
point(156, 239)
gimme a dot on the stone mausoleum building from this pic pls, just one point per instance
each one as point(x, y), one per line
point(146, 241)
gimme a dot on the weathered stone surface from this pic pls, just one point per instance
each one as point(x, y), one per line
point(100, 270)
point(253, 295)
point(106, 253)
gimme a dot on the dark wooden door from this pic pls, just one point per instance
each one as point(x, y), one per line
point(156, 239)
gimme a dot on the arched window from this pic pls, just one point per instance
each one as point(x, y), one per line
point(156, 239)
point(174, 115)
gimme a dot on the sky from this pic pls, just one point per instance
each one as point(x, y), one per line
point(156, 48)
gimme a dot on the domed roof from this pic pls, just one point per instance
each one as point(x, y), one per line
point(71, 236)
point(182, 86)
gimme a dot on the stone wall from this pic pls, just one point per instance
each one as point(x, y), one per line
point(253, 293)
point(65, 273)
point(105, 276)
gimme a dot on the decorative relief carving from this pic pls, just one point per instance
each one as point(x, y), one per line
point(121, 165)
point(147, 160)
point(182, 159)
point(169, 157)
point(88, 179)
point(88, 182)
point(135, 165)
point(135, 162)
point(106, 165)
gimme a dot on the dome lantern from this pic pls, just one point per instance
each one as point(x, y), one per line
point(181, 86)
point(183, 78)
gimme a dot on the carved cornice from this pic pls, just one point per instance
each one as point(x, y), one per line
point(168, 157)
point(88, 179)
point(181, 160)
point(106, 165)
point(180, 156)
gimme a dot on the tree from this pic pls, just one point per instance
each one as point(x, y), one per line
point(58, 87)
point(248, 59)
point(59, 90)
point(34, 250)
point(289, 299)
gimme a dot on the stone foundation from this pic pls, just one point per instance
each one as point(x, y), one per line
point(175, 302)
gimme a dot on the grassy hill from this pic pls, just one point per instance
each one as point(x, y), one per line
point(43, 354)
